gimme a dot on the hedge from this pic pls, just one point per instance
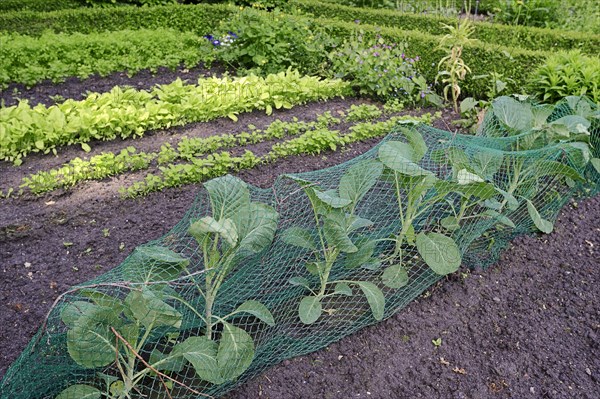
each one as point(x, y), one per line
point(510, 36)
point(482, 58)
point(199, 19)
point(37, 5)
point(484, 6)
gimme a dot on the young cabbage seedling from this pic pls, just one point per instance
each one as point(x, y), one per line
point(236, 229)
point(106, 330)
point(418, 191)
point(335, 223)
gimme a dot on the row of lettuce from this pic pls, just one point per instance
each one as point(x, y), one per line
point(196, 159)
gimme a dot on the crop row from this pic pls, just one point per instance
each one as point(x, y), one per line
point(311, 142)
point(29, 60)
point(129, 112)
point(191, 149)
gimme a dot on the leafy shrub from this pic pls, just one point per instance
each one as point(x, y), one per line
point(540, 13)
point(381, 70)
point(112, 3)
point(567, 73)
point(37, 5)
point(270, 43)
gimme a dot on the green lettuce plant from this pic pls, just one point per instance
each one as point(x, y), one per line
point(336, 224)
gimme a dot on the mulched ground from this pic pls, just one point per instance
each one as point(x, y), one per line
point(526, 328)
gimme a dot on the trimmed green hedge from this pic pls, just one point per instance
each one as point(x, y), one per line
point(482, 58)
point(199, 19)
point(484, 7)
point(510, 36)
point(38, 5)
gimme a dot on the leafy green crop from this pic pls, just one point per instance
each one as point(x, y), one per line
point(238, 227)
point(126, 112)
point(109, 331)
point(30, 60)
point(336, 225)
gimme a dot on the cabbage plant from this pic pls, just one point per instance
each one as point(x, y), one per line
point(336, 224)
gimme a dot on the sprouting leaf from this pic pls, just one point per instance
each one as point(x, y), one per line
point(257, 310)
point(236, 352)
point(153, 263)
point(397, 156)
point(315, 268)
point(206, 225)
point(80, 391)
point(543, 225)
point(511, 202)
point(299, 237)
point(310, 309)
point(343, 289)
point(359, 179)
point(151, 311)
point(395, 276)
point(86, 147)
point(201, 352)
point(301, 281)
point(374, 296)
point(450, 223)
point(440, 252)
point(337, 236)
point(465, 177)
point(515, 115)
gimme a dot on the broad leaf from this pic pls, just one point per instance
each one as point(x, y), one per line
point(465, 177)
point(596, 164)
point(257, 310)
point(258, 227)
point(337, 236)
point(571, 124)
point(73, 311)
point(90, 342)
point(395, 276)
point(80, 391)
point(332, 200)
point(236, 351)
point(375, 298)
point(201, 352)
point(359, 179)
point(227, 195)
point(299, 237)
point(500, 217)
point(511, 202)
point(173, 362)
point(515, 115)
point(415, 139)
point(153, 264)
point(310, 309)
point(440, 252)
point(362, 256)
point(343, 289)
point(543, 225)
point(450, 223)
point(398, 157)
point(151, 311)
point(356, 222)
point(487, 163)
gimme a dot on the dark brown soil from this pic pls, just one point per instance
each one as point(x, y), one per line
point(527, 328)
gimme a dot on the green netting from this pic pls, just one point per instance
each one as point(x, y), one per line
point(250, 277)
